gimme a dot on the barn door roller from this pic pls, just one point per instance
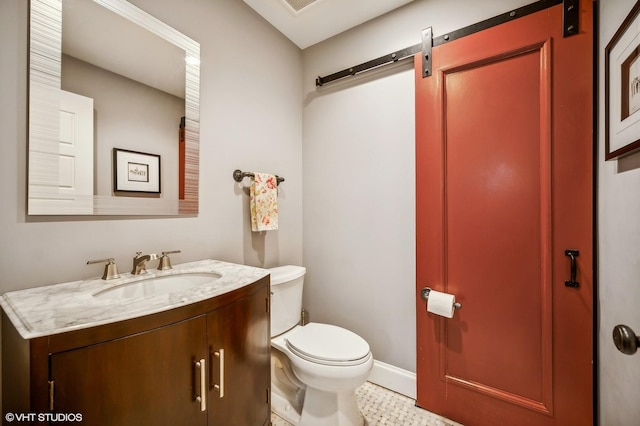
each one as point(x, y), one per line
point(570, 27)
point(571, 17)
point(570, 23)
point(427, 43)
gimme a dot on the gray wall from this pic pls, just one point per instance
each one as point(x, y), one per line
point(357, 158)
point(359, 195)
point(619, 262)
point(251, 118)
point(358, 150)
point(152, 118)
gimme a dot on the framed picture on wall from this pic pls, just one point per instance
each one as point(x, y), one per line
point(136, 171)
point(622, 88)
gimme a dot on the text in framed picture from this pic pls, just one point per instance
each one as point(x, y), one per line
point(630, 89)
point(136, 171)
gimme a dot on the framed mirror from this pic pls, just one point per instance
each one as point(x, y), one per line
point(113, 111)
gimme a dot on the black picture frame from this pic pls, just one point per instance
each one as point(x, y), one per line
point(135, 171)
point(622, 88)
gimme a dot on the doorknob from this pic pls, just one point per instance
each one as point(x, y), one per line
point(625, 339)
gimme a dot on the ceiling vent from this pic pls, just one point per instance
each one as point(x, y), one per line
point(298, 5)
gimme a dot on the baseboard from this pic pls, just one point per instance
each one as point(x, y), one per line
point(393, 378)
point(283, 409)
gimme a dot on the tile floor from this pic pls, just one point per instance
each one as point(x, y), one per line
point(381, 406)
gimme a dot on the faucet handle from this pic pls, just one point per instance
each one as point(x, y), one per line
point(165, 261)
point(110, 269)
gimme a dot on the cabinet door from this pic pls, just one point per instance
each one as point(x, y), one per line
point(145, 379)
point(240, 375)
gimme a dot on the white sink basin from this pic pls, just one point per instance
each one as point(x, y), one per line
point(154, 286)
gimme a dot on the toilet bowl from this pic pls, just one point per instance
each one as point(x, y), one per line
point(316, 368)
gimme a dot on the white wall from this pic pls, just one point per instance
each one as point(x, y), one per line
point(251, 118)
point(358, 153)
point(619, 257)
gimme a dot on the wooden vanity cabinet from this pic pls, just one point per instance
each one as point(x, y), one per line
point(141, 379)
point(147, 370)
point(237, 349)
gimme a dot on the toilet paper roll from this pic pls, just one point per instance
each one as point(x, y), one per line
point(441, 303)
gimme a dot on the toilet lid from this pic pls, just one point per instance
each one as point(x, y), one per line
point(328, 344)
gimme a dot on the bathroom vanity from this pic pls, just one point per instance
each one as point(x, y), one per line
point(100, 350)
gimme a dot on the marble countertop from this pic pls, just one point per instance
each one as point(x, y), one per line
point(58, 308)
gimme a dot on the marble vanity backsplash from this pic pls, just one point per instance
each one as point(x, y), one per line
point(59, 308)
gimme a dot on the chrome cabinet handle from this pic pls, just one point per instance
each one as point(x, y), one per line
point(572, 254)
point(220, 387)
point(203, 385)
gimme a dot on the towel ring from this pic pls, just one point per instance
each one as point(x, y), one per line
point(238, 175)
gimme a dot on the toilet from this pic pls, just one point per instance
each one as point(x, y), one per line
point(315, 368)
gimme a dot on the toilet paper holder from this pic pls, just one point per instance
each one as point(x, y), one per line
point(424, 294)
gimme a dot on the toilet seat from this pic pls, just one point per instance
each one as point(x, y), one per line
point(328, 345)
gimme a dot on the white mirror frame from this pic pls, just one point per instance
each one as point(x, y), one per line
point(45, 53)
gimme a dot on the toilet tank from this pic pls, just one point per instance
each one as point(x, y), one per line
point(286, 297)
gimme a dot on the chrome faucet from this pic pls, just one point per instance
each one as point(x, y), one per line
point(140, 262)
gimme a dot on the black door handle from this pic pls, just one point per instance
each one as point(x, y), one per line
point(572, 254)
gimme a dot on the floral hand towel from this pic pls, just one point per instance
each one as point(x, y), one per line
point(264, 202)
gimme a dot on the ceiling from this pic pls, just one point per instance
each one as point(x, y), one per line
point(307, 22)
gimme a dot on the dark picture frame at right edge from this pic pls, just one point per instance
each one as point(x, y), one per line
point(622, 88)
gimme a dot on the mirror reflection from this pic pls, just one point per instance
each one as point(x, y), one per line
point(114, 116)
